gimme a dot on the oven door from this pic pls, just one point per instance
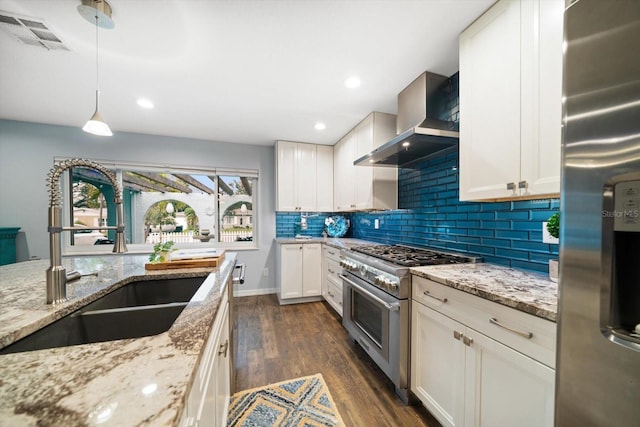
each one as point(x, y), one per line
point(373, 318)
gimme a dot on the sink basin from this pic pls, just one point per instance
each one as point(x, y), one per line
point(138, 309)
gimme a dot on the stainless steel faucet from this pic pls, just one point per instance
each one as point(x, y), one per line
point(56, 273)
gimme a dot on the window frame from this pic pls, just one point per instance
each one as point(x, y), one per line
point(118, 167)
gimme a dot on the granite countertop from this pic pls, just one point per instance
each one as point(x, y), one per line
point(526, 291)
point(139, 381)
point(336, 242)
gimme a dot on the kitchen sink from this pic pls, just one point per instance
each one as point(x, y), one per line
point(135, 310)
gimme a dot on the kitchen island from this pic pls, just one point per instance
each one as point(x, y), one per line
point(140, 381)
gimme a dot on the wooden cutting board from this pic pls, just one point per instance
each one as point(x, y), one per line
point(187, 263)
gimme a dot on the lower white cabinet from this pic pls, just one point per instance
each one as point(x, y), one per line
point(331, 281)
point(208, 401)
point(299, 272)
point(466, 378)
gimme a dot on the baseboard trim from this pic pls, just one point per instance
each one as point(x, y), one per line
point(253, 292)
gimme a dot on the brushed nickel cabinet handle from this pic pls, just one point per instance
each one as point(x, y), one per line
point(457, 335)
point(427, 293)
point(511, 185)
point(523, 184)
point(467, 341)
point(527, 335)
point(223, 348)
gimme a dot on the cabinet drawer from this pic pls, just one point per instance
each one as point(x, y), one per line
point(333, 270)
point(332, 253)
point(334, 296)
point(528, 334)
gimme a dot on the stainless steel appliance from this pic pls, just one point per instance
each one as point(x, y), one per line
point(598, 362)
point(376, 302)
point(421, 131)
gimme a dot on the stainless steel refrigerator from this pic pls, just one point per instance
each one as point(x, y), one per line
point(598, 365)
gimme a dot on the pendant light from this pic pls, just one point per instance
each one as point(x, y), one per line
point(99, 13)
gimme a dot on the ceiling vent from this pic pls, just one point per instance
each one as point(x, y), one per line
point(30, 31)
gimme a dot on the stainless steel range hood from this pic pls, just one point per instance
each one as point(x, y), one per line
point(420, 132)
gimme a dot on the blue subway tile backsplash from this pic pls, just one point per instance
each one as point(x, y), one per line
point(430, 215)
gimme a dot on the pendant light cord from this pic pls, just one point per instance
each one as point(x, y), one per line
point(97, 67)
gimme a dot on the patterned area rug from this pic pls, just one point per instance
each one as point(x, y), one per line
point(300, 402)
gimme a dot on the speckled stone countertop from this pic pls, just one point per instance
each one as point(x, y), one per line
point(336, 242)
point(526, 291)
point(131, 382)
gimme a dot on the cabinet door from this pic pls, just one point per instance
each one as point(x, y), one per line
point(344, 173)
point(290, 271)
point(223, 373)
point(490, 104)
point(505, 388)
point(437, 364)
point(363, 175)
point(305, 177)
point(285, 176)
point(311, 269)
point(542, 93)
point(324, 176)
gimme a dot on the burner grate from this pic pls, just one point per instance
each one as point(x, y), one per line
point(408, 256)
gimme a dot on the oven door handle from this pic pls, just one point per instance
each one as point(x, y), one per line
point(390, 307)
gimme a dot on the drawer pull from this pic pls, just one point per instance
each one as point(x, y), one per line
point(223, 348)
point(457, 335)
point(527, 335)
point(467, 341)
point(427, 293)
point(331, 253)
point(331, 271)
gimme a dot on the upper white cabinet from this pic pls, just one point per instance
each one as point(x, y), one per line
point(510, 101)
point(363, 187)
point(304, 175)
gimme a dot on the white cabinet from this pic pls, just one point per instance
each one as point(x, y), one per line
point(208, 401)
point(304, 177)
point(510, 101)
point(324, 178)
point(364, 187)
point(465, 377)
point(299, 275)
point(331, 281)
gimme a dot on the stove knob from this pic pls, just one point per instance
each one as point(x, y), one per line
point(393, 286)
point(378, 280)
point(363, 270)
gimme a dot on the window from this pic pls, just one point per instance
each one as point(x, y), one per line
point(191, 207)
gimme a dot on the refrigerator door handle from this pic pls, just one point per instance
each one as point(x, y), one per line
point(527, 335)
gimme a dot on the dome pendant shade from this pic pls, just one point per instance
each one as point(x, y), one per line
point(96, 124)
point(98, 12)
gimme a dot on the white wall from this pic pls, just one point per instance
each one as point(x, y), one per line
point(27, 151)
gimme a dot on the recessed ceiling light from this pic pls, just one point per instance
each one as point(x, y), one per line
point(352, 82)
point(145, 103)
point(320, 126)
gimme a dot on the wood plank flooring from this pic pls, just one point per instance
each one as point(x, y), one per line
point(276, 343)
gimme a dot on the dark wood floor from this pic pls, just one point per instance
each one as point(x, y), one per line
point(277, 343)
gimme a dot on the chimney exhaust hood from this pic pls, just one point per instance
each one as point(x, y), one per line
point(420, 131)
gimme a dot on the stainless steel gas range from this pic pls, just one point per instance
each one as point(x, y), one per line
point(376, 300)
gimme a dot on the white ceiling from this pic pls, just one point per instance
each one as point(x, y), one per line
point(230, 70)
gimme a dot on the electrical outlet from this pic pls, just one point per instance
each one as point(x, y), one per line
point(376, 223)
point(546, 237)
point(265, 272)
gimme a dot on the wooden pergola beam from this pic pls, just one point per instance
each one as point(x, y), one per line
point(222, 185)
point(246, 184)
point(194, 183)
point(164, 181)
point(131, 178)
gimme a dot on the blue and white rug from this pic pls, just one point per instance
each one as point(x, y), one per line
point(304, 401)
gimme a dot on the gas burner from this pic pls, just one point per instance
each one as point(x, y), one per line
point(408, 256)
